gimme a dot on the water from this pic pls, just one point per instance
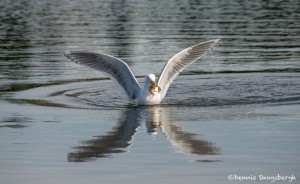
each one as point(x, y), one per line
point(236, 112)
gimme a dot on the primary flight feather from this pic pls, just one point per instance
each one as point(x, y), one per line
point(152, 93)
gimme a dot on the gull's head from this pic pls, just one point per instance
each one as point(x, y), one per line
point(150, 79)
point(153, 87)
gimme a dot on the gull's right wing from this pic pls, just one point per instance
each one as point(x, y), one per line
point(114, 67)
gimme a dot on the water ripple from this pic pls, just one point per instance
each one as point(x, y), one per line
point(188, 90)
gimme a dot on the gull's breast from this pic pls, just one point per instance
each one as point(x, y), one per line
point(146, 98)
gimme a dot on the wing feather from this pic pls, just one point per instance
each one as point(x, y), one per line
point(181, 60)
point(115, 68)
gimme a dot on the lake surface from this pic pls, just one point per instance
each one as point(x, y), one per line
point(234, 113)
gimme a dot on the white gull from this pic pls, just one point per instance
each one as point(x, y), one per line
point(152, 93)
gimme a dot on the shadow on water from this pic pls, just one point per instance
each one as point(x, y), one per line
point(157, 119)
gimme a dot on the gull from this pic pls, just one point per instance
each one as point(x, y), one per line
point(153, 92)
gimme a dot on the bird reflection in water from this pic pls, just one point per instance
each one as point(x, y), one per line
point(119, 138)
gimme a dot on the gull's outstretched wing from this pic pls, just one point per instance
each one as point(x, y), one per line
point(181, 60)
point(114, 67)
